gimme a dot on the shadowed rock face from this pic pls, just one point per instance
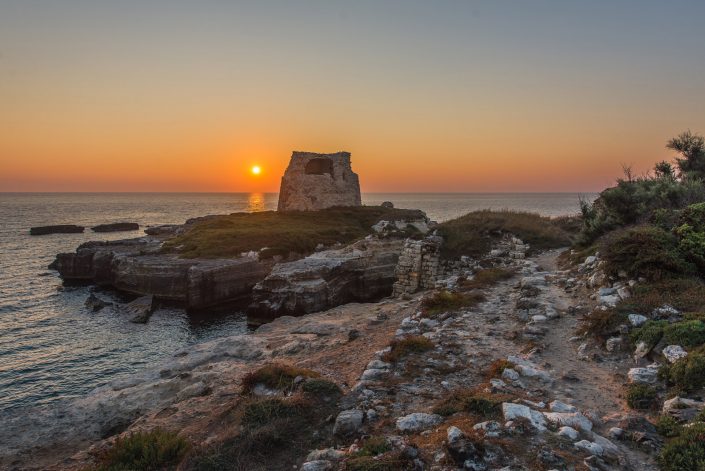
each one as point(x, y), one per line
point(317, 181)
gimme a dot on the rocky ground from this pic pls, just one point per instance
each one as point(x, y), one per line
point(504, 384)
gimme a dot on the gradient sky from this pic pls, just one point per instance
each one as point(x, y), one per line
point(459, 96)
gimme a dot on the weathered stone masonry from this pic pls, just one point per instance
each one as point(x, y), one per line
point(418, 265)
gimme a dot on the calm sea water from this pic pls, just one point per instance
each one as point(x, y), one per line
point(51, 347)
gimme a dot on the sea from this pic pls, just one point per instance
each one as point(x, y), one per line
point(53, 348)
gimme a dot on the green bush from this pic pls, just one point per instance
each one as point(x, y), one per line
point(686, 452)
point(687, 374)
point(374, 446)
point(692, 244)
point(641, 396)
point(144, 451)
point(644, 251)
point(690, 333)
point(649, 333)
point(668, 426)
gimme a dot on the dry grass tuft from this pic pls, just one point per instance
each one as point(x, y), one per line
point(406, 346)
point(277, 376)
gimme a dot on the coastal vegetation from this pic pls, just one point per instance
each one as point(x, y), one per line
point(473, 233)
point(274, 233)
point(276, 376)
point(399, 348)
point(144, 451)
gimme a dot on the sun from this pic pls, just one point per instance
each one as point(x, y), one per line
point(256, 170)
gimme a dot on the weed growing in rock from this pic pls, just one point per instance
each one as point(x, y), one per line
point(144, 451)
point(374, 445)
point(472, 401)
point(393, 461)
point(497, 367)
point(408, 345)
point(649, 333)
point(444, 300)
point(487, 277)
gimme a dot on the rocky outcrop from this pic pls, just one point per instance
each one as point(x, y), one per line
point(363, 271)
point(57, 229)
point(116, 227)
point(418, 265)
point(317, 181)
point(135, 266)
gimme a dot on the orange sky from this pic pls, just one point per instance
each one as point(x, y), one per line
point(126, 98)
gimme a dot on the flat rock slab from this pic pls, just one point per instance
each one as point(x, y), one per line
point(58, 229)
point(116, 227)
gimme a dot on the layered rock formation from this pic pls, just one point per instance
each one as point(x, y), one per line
point(363, 271)
point(135, 266)
point(317, 181)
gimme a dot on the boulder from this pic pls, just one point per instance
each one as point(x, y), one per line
point(513, 411)
point(417, 422)
point(648, 375)
point(459, 447)
point(116, 227)
point(571, 419)
point(558, 406)
point(317, 181)
point(363, 271)
point(95, 304)
point(673, 353)
point(637, 320)
point(140, 309)
point(591, 447)
point(57, 229)
point(348, 422)
point(568, 432)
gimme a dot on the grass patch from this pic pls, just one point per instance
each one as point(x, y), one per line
point(144, 451)
point(281, 233)
point(408, 345)
point(687, 451)
point(269, 434)
point(393, 461)
point(473, 233)
point(497, 367)
point(641, 396)
point(321, 387)
point(275, 376)
point(488, 277)
point(472, 401)
point(602, 324)
point(444, 300)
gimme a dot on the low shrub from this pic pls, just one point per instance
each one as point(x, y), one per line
point(649, 333)
point(685, 294)
point(690, 333)
point(644, 251)
point(373, 446)
point(686, 452)
point(444, 300)
point(473, 233)
point(275, 376)
point(472, 401)
point(668, 426)
point(408, 345)
point(641, 396)
point(687, 374)
point(144, 451)
point(602, 324)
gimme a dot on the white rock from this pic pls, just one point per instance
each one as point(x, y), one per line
point(454, 434)
point(538, 318)
point(534, 281)
point(642, 349)
point(510, 374)
point(531, 372)
point(616, 432)
point(665, 311)
point(568, 432)
point(590, 260)
point(637, 320)
point(590, 447)
point(571, 419)
point(558, 406)
point(623, 293)
point(513, 411)
point(613, 344)
point(674, 353)
point(328, 454)
point(490, 428)
point(648, 375)
point(418, 421)
point(318, 465)
point(681, 403)
point(609, 300)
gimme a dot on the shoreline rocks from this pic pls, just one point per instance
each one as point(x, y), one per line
point(116, 227)
point(56, 229)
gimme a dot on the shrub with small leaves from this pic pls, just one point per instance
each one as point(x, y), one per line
point(686, 452)
point(641, 396)
point(687, 374)
point(144, 451)
point(668, 426)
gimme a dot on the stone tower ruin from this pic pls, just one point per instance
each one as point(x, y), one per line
point(317, 181)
